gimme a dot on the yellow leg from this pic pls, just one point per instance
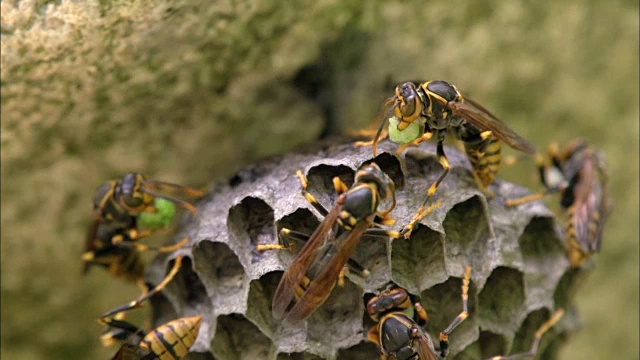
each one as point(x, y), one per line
point(426, 136)
point(383, 136)
point(423, 211)
point(444, 335)
point(163, 249)
point(139, 301)
point(536, 342)
point(339, 186)
point(342, 275)
point(524, 200)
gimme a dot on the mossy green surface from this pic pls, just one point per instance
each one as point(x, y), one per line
point(186, 91)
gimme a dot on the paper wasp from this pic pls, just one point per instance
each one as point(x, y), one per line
point(422, 111)
point(112, 238)
point(398, 332)
point(170, 341)
point(578, 173)
point(308, 281)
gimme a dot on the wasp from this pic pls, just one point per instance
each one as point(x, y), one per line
point(170, 341)
point(309, 280)
point(432, 108)
point(398, 331)
point(578, 172)
point(117, 206)
point(112, 240)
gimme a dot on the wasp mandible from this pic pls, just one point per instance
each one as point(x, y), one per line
point(170, 341)
point(422, 111)
point(579, 173)
point(398, 332)
point(308, 281)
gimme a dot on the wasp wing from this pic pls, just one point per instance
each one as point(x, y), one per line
point(591, 204)
point(319, 289)
point(171, 189)
point(172, 192)
point(424, 346)
point(308, 255)
point(477, 115)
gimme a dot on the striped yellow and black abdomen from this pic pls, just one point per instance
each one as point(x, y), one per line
point(485, 159)
point(173, 340)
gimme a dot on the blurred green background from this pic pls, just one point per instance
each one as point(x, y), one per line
point(190, 91)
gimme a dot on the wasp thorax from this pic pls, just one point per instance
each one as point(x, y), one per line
point(443, 90)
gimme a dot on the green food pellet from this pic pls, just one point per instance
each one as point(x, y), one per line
point(410, 133)
point(165, 211)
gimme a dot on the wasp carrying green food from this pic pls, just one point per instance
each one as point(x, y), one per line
point(170, 341)
point(399, 333)
point(308, 281)
point(120, 206)
point(422, 111)
point(578, 173)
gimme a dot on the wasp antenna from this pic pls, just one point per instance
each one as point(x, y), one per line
point(183, 203)
point(388, 107)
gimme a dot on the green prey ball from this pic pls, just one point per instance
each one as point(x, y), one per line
point(410, 133)
point(163, 217)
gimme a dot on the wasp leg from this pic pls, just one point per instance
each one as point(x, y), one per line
point(118, 330)
point(363, 133)
point(444, 335)
point(424, 210)
point(140, 300)
point(525, 199)
point(542, 164)
point(339, 186)
point(163, 249)
point(426, 136)
point(285, 235)
point(536, 342)
point(309, 197)
point(134, 235)
point(534, 197)
point(369, 133)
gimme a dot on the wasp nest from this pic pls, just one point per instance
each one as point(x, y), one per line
point(520, 271)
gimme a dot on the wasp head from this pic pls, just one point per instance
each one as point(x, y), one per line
point(372, 174)
point(387, 300)
point(409, 104)
point(131, 195)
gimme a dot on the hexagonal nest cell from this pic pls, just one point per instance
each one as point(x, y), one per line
point(520, 272)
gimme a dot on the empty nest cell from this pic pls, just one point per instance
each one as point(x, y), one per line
point(501, 300)
point(237, 338)
point(222, 274)
point(418, 263)
point(251, 222)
